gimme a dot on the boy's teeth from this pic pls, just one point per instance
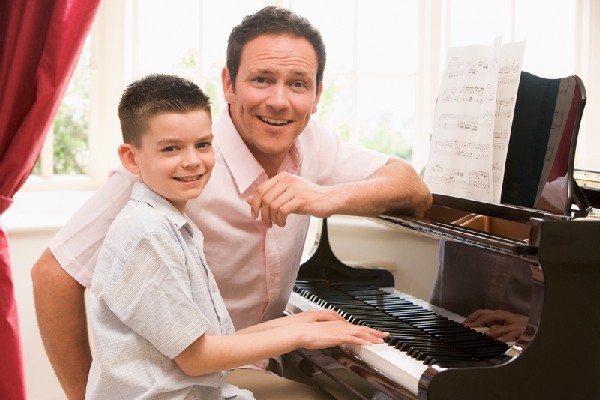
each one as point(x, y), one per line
point(189, 178)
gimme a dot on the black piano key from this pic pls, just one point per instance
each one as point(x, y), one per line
point(420, 332)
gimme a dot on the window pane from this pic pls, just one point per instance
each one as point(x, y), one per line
point(335, 20)
point(335, 105)
point(388, 36)
point(218, 18)
point(191, 34)
point(387, 114)
point(191, 42)
point(69, 130)
point(166, 33)
point(479, 22)
point(549, 28)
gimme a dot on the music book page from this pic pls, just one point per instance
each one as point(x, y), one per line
point(472, 121)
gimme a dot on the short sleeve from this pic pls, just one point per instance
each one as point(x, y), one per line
point(149, 291)
point(77, 244)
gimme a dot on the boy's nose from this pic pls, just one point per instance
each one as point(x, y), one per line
point(191, 159)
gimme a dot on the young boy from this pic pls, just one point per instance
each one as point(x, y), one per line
point(160, 327)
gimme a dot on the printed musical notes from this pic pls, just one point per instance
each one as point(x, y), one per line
point(472, 121)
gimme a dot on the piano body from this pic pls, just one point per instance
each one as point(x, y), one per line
point(430, 354)
point(558, 360)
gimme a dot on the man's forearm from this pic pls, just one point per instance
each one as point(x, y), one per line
point(395, 186)
point(60, 309)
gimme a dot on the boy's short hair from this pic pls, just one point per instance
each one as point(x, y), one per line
point(273, 20)
point(156, 94)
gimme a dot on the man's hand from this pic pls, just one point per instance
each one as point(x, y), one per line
point(285, 194)
point(503, 325)
point(394, 186)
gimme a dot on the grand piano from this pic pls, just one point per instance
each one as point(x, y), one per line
point(430, 354)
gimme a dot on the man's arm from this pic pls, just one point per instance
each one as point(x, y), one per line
point(395, 186)
point(60, 308)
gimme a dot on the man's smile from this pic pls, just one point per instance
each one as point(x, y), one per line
point(276, 122)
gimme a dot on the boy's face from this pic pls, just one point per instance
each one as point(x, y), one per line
point(176, 156)
point(275, 94)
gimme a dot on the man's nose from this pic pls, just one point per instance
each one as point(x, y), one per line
point(278, 96)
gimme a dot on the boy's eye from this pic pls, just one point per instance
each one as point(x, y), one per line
point(169, 148)
point(202, 145)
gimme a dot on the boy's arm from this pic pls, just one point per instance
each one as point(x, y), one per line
point(306, 316)
point(216, 353)
point(60, 308)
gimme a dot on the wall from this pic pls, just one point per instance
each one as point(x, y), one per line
point(354, 240)
point(25, 248)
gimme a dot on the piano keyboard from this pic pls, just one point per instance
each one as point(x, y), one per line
point(420, 335)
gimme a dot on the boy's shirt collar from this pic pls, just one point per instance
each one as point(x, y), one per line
point(143, 193)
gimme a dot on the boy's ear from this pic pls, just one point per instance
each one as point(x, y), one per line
point(127, 154)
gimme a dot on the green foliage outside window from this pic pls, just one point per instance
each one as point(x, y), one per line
point(70, 152)
point(388, 139)
point(70, 128)
point(384, 138)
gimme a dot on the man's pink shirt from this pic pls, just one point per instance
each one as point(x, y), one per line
point(255, 266)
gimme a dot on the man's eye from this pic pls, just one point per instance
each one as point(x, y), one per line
point(299, 86)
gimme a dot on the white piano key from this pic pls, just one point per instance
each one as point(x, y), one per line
point(298, 303)
point(393, 363)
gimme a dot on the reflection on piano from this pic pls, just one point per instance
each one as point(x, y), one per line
point(430, 354)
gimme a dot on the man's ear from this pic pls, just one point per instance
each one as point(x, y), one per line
point(228, 92)
point(127, 154)
point(317, 98)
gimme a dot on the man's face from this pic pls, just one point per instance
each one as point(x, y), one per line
point(275, 94)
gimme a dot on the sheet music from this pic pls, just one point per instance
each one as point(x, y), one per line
point(472, 121)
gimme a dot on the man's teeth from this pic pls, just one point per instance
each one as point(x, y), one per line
point(274, 121)
point(187, 178)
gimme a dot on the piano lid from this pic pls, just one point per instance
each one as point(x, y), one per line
point(540, 160)
point(538, 180)
point(499, 227)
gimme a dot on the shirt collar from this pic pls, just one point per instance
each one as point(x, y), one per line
point(143, 193)
point(244, 168)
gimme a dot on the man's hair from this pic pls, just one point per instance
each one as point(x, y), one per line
point(156, 94)
point(272, 20)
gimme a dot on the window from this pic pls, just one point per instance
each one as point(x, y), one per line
point(384, 62)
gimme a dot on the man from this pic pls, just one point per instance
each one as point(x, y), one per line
point(274, 167)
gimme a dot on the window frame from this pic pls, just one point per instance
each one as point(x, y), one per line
point(112, 66)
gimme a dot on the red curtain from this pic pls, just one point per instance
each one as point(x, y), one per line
point(40, 42)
